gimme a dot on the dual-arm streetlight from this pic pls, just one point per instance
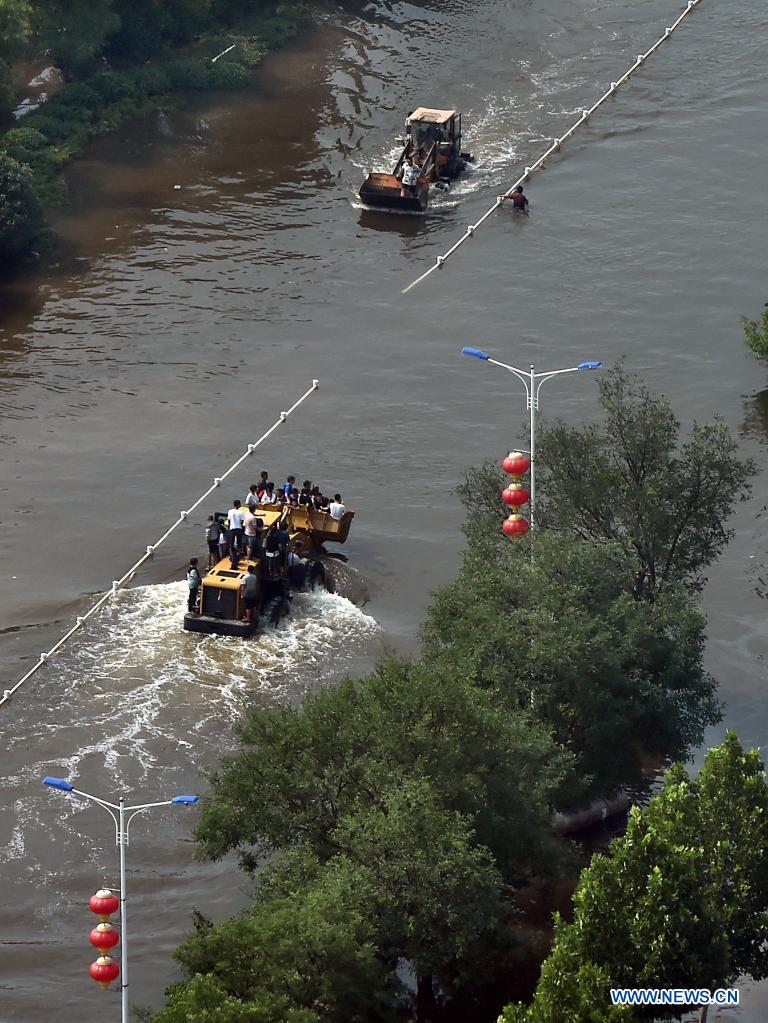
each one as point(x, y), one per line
point(532, 382)
point(122, 816)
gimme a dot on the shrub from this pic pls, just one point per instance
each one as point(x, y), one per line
point(80, 96)
point(756, 335)
point(188, 73)
point(228, 75)
point(152, 80)
point(113, 86)
point(20, 213)
point(249, 49)
point(24, 144)
point(286, 22)
point(53, 129)
point(109, 120)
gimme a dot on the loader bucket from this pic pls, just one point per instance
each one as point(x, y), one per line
point(382, 191)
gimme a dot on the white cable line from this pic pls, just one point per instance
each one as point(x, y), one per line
point(118, 583)
point(555, 147)
point(228, 49)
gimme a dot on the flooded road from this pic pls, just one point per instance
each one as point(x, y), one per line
point(187, 318)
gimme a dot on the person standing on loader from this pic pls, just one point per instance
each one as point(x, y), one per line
point(409, 178)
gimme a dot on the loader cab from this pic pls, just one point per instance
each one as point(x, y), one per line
point(439, 128)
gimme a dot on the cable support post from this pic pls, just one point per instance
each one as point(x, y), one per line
point(641, 58)
point(150, 550)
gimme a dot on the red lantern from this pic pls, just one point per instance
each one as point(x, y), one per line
point(515, 495)
point(515, 525)
point(103, 903)
point(516, 464)
point(104, 971)
point(104, 937)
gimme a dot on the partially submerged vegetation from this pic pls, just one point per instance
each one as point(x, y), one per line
point(120, 59)
point(756, 334)
point(392, 824)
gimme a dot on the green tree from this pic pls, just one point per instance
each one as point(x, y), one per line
point(20, 214)
point(14, 32)
point(756, 334)
point(148, 26)
point(304, 952)
point(732, 803)
point(570, 989)
point(631, 479)
point(74, 31)
point(14, 28)
point(438, 894)
point(682, 899)
point(558, 636)
point(300, 771)
point(408, 883)
point(404, 776)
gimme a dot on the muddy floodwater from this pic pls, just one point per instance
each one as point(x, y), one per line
point(184, 319)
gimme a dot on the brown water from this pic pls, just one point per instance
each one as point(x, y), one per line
point(190, 317)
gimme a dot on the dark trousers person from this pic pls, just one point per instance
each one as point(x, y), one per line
point(251, 606)
point(192, 601)
point(236, 540)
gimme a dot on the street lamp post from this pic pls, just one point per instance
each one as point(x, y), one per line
point(122, 816)
point(532, 382)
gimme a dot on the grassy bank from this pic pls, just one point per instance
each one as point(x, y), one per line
point(34, 150)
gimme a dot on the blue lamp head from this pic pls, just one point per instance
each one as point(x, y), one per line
point(185, 800)
point(475, 353)
point(58, 783)
point(589, 365)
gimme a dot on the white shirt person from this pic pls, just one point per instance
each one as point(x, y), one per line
point(410, 174)
point(337, 509)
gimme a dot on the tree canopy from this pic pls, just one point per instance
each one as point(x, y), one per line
point(20, 212)
point(303, 952)
point(74, 31)
point(680, 901)
point(300, 771)
point(632, 479)
point(14, 34)
point(555, 632)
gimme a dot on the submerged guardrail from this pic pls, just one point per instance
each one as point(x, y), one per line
point(556, 145)
point(117, 584)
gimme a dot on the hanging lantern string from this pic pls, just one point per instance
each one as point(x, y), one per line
point(515, 494)
point(556, 145)
point(127, 577)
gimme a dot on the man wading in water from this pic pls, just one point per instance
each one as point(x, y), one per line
point(519, 200)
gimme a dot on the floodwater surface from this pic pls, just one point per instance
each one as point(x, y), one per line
point(218, 262)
